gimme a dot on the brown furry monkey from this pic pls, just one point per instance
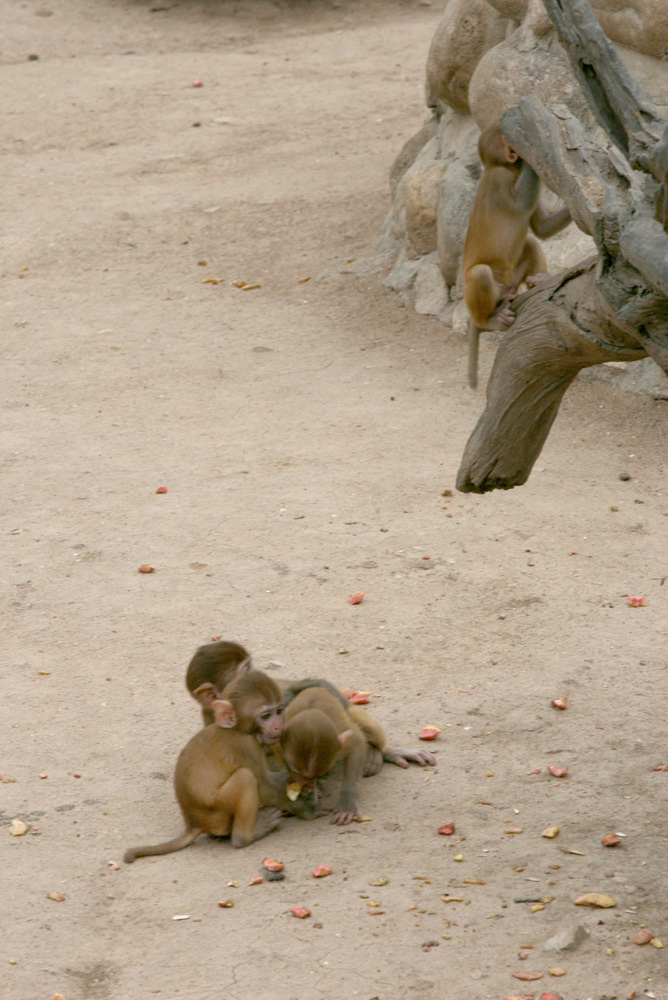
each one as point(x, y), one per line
point(499, 253)
point(222, 780)
point(318, 729)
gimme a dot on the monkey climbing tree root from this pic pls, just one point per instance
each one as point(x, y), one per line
point(614, 308)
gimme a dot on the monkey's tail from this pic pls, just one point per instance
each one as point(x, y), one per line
point(474, 337)
point(169, 846)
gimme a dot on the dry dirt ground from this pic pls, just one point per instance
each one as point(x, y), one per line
point(306, 432)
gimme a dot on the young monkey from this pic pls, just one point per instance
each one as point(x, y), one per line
point(222, 779)
point(499, 253)
point(319, 729)
point(216, 664)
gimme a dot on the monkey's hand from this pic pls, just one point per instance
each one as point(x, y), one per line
point(401, 757)
point(346, 811)
point(532, 280)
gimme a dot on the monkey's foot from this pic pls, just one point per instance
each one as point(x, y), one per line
point(402, 757)
point(532, 280)
point(503, 317)
point(267, 820)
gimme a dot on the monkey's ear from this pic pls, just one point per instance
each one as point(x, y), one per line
point(206, 694)
point(343, 737)
point(245, 665)
point(224, 714)
point(511, 155)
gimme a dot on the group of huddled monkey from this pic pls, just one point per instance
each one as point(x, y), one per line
point(263, 749)
point(499, 252)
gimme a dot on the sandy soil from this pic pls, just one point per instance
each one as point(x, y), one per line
point(306, 432)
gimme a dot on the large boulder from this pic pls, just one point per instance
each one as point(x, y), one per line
point(525, 63)
point(467, 29)
point(640, 24)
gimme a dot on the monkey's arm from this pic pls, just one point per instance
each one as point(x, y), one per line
point(526, 188)
point(545, 223)
point(353, 766)
point(292, 688)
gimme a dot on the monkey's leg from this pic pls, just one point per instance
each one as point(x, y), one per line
point(354, 758)
point(532, 266)
point(374, 735)
point(481, 294)
point(240, 798)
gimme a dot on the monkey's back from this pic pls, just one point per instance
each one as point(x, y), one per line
point(208, 760)
point(497, 229)
point(323, 700)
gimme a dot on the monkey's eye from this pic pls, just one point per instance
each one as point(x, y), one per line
point(280, 709)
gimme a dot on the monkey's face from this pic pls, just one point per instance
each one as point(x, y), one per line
point(269, 722)
point(309, 748)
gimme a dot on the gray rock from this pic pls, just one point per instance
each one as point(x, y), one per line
point(455, 198)
point(467, 29)
point(640, 24)
point(525, 64)
point(642, 378)
point(567, 939)
point(410, 150)
point(402, 275)
point(431, 293)
point(422, 182)
point(514, 9)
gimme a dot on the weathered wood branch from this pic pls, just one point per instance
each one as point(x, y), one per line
point(606, 198)
point(538, 359)
point(621, 106)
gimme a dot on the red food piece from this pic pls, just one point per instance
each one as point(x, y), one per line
point(643, 937)
point(256, 880)
point(537, 771)
point(526, 976)
point(636, 602)
point(357, 697)
point(357, 597)
point(301, 912)
point(161, 489)
point(271, 865)
point(320, 871)
point(551, 996)
point(559, 703)
point(447, 829)
point(197, 83)
point(146, 568)
point(429, 732)
point(611, 840)
point(558, 772)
